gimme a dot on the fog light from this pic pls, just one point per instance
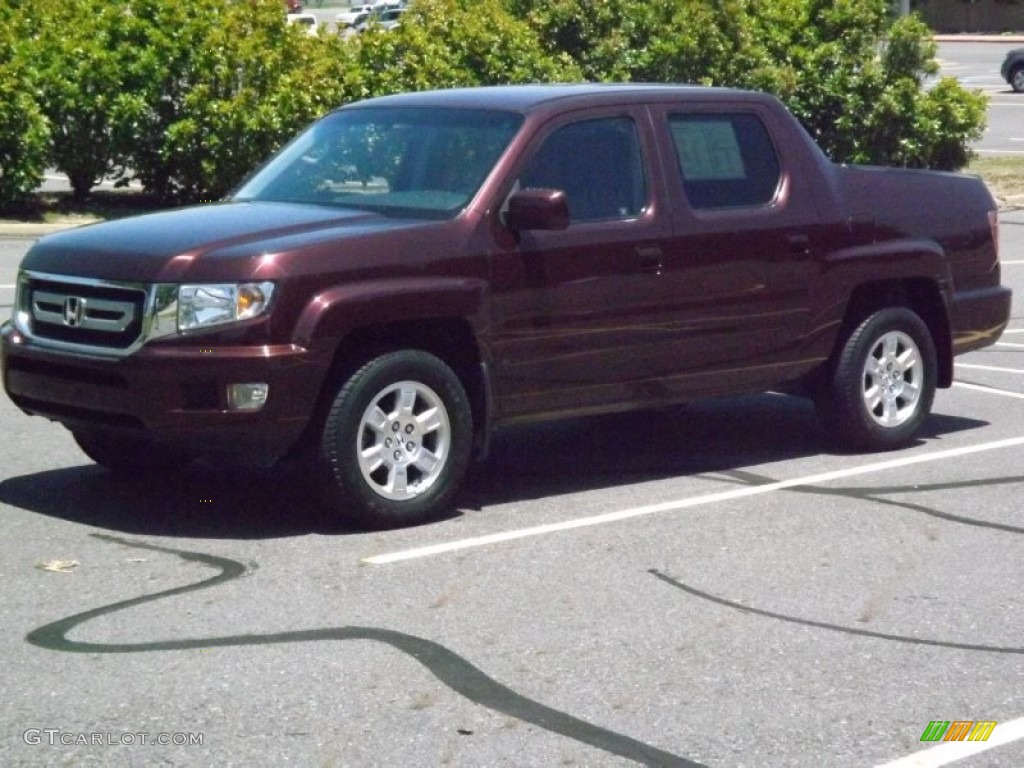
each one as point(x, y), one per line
point(250, 396)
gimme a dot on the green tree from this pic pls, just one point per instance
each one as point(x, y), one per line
point(451, 43)
point(217, 86)
point(854, 76)
point(24, 132)
point(688, 41)
point(79, 60)
point(852, 73)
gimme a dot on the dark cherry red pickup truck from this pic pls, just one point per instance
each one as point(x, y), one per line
point(413, 272)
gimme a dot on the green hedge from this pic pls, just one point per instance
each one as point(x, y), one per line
point(188, 95)
point(24, 135)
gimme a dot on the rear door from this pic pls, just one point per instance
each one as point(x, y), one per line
point(739, 261)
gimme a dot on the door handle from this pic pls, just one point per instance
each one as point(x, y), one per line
point(649, 258)
point(799, 245)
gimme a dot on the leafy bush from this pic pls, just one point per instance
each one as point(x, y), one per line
point(23, 129)
point(847, 69)
point(688, 41)
point(854, 77)
point(452, 43)
point(78, 56)
point(221, 84)
point(188, 96)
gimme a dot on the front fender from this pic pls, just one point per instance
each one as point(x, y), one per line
point(335, 312)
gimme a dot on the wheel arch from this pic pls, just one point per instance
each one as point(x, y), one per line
point(451, 339)
point(920, 294)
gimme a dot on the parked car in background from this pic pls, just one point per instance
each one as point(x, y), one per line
point(1013, 69)
point(387, 18)
point(307, 20)
point(354, 16)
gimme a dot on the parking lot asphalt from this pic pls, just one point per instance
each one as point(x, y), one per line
point(710, 585)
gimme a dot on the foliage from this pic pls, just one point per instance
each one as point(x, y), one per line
point(24, 132)
point(78, 55)
point(189, 95)
point(855, 79)
point(622, 40)
point(850, 72)
point(451, 43)
point(221, 84)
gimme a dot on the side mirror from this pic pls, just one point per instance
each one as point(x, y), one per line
point(537, 209)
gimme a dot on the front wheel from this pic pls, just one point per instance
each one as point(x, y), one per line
point(396, 442)
point(1017, 78)
point(881, 386)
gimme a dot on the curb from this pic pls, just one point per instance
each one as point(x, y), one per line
point(967, 38)
point(31, 229)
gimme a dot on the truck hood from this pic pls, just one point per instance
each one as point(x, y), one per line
point(168, 246)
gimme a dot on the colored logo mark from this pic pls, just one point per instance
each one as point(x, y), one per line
point(958, 730)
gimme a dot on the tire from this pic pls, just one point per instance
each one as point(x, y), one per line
point(1017, 78)
point(880, 388)
point(126, 455)
point(383, 482)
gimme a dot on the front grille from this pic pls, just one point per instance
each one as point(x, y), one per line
point(78, 313)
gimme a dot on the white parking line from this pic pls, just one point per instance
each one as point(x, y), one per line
point(951, 751)
point(1013, 330)
point(1009, 344)
point(680, 504)
point(1014, 263)
point(988, 390)
point(990, 368)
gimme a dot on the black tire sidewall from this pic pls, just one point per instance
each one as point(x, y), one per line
point(842, 406)
point(348, 493)
point(1013, 77)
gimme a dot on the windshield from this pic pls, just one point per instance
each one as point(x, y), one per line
point(400, 161)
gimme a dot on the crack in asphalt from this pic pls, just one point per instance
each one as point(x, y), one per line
point(870, 495)
point(825, 625)
point(448, 667)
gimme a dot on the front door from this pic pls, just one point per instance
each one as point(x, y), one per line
point(576, 320)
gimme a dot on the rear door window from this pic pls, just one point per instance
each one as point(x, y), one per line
point(726, 160)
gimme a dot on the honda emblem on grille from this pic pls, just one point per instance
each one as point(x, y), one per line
point(74, 311)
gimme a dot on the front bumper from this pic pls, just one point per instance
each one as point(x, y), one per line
point(171, 394)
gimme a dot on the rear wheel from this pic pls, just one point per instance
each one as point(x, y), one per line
point(881, 387)
point(396, 442)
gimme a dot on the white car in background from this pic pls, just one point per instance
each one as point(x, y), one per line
point(356, 14)
point(383, 16)
point(306, 20)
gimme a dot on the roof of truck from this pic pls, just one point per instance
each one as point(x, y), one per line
point(523, 98)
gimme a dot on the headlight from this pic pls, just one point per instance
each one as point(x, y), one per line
point(204, 305)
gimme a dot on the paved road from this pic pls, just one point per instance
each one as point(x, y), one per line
point(739, 623)
point(976, 65)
